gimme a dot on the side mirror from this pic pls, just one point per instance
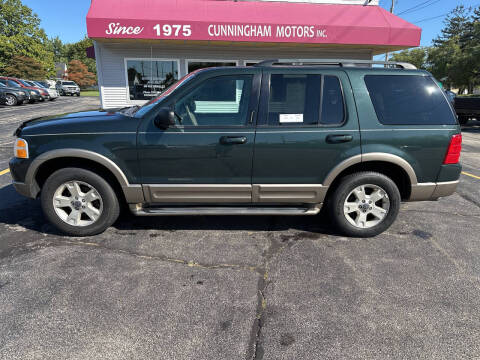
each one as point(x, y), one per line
point(165, 118)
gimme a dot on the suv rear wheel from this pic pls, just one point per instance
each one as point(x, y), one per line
point(364, 204)
point(79, 202)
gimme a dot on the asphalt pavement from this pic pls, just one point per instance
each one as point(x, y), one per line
point(242, 287)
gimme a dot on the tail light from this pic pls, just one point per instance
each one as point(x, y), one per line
point(454, 150)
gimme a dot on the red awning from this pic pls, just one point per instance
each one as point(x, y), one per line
point(277, 22)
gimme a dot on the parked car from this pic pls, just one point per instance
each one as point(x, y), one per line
point(52, 92)
point(270, 139)
point(33, 95)
point(467, 108)
point(43, 94)
point(67, 87)
point(13, 96)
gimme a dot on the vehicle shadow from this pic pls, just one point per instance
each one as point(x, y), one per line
point(16, 210)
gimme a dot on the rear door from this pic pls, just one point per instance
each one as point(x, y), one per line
point(307, 125)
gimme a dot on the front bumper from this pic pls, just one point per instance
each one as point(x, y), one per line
point(18, 171)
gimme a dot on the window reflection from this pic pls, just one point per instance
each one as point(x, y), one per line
point(148, 78)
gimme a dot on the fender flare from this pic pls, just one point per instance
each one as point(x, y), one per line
point(377, 156)
point(133, 192)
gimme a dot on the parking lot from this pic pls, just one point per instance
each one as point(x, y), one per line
point(240, 287)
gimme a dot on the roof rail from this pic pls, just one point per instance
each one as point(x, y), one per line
point(335, 62)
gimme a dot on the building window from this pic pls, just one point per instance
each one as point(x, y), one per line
point(193, 65)
point(147, 78)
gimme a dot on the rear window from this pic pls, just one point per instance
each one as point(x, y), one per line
point(408, 100)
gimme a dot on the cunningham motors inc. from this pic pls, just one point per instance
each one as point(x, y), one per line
point(266, 31)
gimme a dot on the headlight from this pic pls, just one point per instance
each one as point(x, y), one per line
point(20, 149)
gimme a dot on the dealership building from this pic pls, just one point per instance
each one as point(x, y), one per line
point(141, 47)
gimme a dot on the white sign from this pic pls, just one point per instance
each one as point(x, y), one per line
point(291, 118)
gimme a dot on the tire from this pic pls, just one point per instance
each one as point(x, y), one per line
point(11, 100)
point(372, 225)
point(105, 202)
point(463, 120)
point(78, 95)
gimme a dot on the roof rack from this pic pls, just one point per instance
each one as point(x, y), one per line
point(336, 62)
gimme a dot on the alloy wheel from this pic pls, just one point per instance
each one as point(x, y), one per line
point(77, 203)
point(10, 100)
point(366, 206)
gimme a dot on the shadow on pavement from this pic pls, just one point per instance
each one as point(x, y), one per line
point(16, 210)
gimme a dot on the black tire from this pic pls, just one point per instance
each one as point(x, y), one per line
point(111, 207)
point(336, 201)
point(463, 120)
point(78, 94)
point(11, 100)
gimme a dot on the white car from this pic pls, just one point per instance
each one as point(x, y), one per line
point(52, 92)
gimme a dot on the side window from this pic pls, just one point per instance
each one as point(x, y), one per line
point(218, 101)
point(408, 100)
point(294, 99)
point(333, 109)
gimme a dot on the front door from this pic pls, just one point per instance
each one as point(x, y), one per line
point(207, 156)
point(307, 125)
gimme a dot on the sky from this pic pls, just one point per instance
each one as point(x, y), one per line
point(66, 19)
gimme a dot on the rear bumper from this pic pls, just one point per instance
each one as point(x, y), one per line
point(433, 191)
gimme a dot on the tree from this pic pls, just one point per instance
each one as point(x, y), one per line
point(20, 34)
point(25, 67)
point(417, 57)
point(78, 72)
point(452, 58)
point(78, 51)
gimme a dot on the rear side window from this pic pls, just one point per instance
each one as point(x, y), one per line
point(333, 110)
point(408, 100)
point(299, 100)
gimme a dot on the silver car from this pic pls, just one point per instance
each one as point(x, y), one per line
point(67, 87)
point(52, 92)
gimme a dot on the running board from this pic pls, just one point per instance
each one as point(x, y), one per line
point(138, 210)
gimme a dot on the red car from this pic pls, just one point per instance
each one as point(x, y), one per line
point(43, 93)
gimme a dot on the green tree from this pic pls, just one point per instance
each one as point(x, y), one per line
point(417, 57)
point(78, 51)
point(451, 58)
point(25, 67)
point(20, 34)
point(59, 50)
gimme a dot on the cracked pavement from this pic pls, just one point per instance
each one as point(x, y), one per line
point(244, 287)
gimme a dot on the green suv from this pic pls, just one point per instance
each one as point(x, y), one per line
point(277, 138)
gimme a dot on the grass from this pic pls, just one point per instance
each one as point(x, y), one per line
point(90, 93)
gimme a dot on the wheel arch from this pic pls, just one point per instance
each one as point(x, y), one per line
point(54, 160)
point(393, 166)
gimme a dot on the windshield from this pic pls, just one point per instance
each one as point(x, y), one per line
point(25, 83)
point(2, 85)
point(13, 83)
point(68, 83)
point(151, 104)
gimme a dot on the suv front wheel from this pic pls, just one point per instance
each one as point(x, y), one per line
point(364, 204)
point(79, 202)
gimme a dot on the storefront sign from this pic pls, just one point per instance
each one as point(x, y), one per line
point(205, 31)
point(249, 21)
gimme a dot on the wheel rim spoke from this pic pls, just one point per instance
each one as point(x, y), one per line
point(62, 201)
point(366, 206)
point(77, 203)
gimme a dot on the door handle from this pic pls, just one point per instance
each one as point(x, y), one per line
point(337, 139)
point(230, 140)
